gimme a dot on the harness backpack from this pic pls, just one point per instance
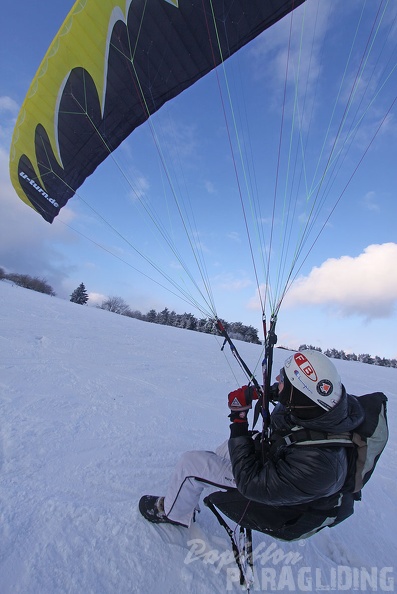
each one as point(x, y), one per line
point(366, 443)
point(363, 446)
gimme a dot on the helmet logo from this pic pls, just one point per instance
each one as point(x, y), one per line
point(325, 387)
point(305, 366)
point(300, 379)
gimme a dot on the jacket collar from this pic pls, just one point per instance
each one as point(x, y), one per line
point(345, 416)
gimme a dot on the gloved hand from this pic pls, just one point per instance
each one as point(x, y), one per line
point(240, 401)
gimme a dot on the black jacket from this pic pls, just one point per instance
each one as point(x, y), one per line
point(299, 474)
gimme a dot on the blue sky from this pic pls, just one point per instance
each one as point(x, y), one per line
point(345, 291)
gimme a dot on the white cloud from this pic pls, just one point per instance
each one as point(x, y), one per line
point(261, 297)
point(176, 265)
point(177, 139)
point(389, 126)
point(96, 298)
point(370, 201)
point(229, 282)
point(365, 285)
point(8, 105)
point(9, 111)
point(210, 187)
point(304, 53)
point(139, 188)
point(234, 236)
point(255, 302)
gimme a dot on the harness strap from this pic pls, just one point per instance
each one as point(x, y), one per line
point(310, 437)
point(236, 552)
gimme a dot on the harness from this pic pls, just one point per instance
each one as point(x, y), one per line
point(327, 516)
point(301, 436)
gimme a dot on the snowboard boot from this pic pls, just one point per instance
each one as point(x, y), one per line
point(152, 509)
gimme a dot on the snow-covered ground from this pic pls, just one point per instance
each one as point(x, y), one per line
point(96, 408)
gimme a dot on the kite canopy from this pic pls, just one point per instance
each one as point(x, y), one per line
point(112, 65)
point(317, 89)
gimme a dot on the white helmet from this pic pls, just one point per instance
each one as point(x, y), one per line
point(313, 374)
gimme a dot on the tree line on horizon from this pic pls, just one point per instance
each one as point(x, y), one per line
point(236, 330)
point(28, 282)
point(362, 358)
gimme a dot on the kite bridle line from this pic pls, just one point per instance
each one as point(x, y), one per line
point(251, 377)
point(267, 365)
point(262, 406)
point(204, 292)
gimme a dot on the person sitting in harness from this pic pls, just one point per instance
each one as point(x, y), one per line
point(287, 492)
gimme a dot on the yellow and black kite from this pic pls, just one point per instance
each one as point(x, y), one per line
point(112, 64)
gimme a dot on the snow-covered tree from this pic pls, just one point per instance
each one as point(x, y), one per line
point(79, 295)
point(31, 282)
point(304, 347)
point(116, 305)
point(164, 317)
point(151, 316)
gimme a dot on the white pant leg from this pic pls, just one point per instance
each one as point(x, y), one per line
point(194, 472)
point(223, 450)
